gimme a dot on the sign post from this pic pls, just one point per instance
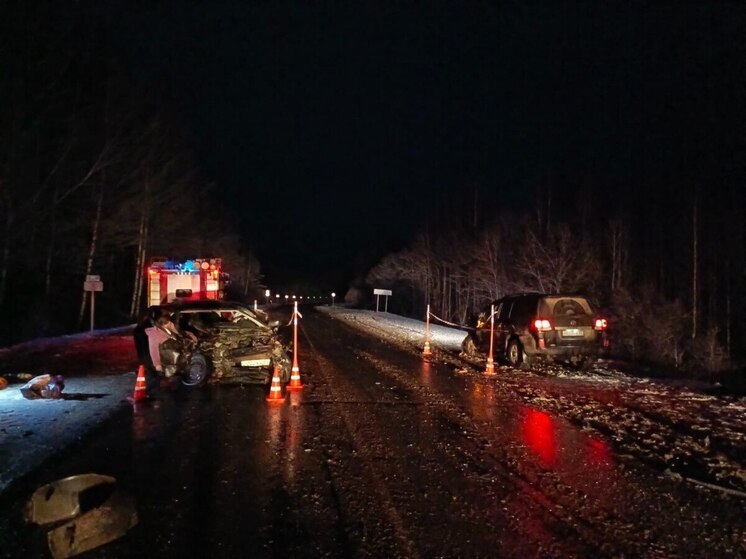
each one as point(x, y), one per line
point(93, 283)
point(386, 293)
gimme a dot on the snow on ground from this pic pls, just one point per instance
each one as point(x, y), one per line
point(407, 329)
point(675, 427)
point(33, 430)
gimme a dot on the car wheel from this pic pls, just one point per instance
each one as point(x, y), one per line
point(196, 371)
point(584, 364)
point(514, 353)
point(468, 347)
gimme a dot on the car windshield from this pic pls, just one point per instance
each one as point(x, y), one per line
point(208, 318)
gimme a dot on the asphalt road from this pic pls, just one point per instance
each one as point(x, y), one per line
point(380, 455)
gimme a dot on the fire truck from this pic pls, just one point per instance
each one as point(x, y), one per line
point(170, 280)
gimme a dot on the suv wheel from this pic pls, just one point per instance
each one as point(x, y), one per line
point(584, 364)
point(469, 348)
point(514, 353)
point(516, 356)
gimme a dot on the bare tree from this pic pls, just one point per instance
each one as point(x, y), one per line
point(564, 263)
point(619, 253)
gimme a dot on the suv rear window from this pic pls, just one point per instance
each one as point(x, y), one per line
point(565, 306)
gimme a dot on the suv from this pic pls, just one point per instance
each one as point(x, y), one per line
point(531, 325)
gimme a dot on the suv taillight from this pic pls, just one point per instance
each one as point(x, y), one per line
point(601, 324)
point(542, 325)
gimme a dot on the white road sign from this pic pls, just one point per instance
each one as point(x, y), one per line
point(93, 285)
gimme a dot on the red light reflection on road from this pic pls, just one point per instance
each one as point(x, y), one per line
point(296, 397)
point(598, 453)
point(274, 420)
point(426, 373)
point(483, 400)
point(284, 435)
point(538, 432)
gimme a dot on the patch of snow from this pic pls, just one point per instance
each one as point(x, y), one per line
point(412, 330)
point(33, 430)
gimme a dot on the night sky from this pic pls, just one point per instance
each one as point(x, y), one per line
point(334, 131)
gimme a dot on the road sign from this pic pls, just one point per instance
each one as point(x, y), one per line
point(386, 293)
point(93, 285)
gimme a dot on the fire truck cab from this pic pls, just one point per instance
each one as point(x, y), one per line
point(171, 280)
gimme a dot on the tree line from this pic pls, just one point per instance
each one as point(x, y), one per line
point(666, 266)
point(95, 178)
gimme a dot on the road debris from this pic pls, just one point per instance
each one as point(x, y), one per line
point(93, 512)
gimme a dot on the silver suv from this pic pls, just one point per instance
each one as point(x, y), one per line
point(531, 325)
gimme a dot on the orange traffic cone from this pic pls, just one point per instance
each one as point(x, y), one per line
point(426, 353)
point(140, 388)
point(275, 391)
point(295, 383)
point(490, 369)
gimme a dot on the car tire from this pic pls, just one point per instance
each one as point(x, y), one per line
point(514, 353)
point(469, 348)
point(196, 372)
point(585, 364)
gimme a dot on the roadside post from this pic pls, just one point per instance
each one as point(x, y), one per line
point(92, 284)
point(386, 293)
point(426, 353)
point(490, 370)
point(295, 383)
point(333, 296)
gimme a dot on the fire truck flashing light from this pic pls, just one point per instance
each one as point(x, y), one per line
point(199, 278)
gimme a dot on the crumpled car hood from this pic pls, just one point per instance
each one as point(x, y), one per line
point(227, 342)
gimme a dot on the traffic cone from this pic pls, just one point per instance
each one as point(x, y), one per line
point(295, 383)
point(140, 388)
point(426, 353)
point(275, 391)
point(490, 370)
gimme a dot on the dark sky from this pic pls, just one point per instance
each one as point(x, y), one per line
point(334, 131)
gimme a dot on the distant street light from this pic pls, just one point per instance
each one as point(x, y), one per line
point(333, 296)
point(267, 295)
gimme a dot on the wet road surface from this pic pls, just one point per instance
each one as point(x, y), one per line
point(380, 455)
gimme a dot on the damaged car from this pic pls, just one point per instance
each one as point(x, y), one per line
point(237, 345)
